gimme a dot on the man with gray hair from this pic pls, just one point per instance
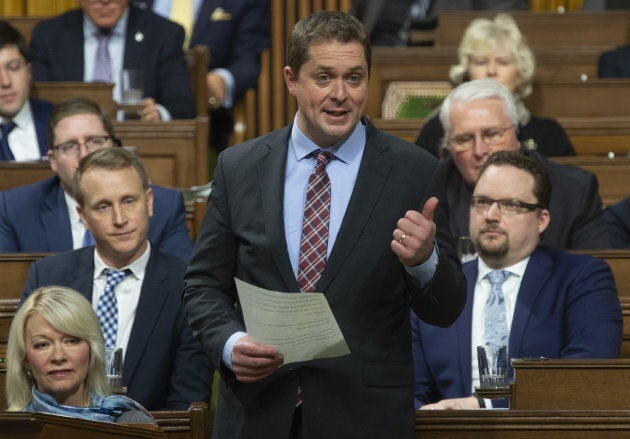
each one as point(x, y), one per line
point(479, 118)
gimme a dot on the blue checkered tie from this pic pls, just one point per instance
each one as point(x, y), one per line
point(107, 308)
point(496, 328)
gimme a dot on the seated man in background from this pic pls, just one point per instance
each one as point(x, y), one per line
point(236, 32)
point(546, 303)
point(42, 217)
point(479, 118)
point(95, 43)
point(23, 121)
point(134, 287)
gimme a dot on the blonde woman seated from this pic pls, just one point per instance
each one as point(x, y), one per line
point(496, 49)
point(56, 361)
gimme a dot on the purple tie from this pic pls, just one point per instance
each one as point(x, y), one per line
point(5, 151)
point(102, 63)
point(314, 242)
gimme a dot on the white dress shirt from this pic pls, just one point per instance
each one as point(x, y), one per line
point(23, 138)
point(127, 293)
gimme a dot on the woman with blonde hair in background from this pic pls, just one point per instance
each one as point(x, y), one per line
point(56, 361)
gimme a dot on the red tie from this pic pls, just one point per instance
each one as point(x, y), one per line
point(315, 225)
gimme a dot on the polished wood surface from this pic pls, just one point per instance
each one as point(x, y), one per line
point(564, 384)
point(14, 425)
point(544, 29)
point(522, 424)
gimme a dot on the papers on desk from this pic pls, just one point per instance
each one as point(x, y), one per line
point(300, 325)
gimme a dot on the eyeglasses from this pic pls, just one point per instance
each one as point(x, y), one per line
point(490, 136)
point(14, 66)
point(91, 144)
point(506, 206)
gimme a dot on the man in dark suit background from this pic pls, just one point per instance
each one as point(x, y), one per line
point(556, 304)
point(64, 48)
point(479, 118)
point(378, 253)
point(164, 367)
point(236, 32)
point(41, 217)
point(27, 137)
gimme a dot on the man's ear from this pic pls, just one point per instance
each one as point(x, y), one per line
point(290, 79)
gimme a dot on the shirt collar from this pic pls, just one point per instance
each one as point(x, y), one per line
point(137, 267)
point(345, 150)
point(517, 269)
point(23, 118)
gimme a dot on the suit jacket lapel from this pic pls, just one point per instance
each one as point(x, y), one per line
point(538, 270)
point(55, 220)
point(203, 18)
point(72, 44)
point(133, 56)
point(82, 275)
point(271, 173)
point(40, 120)
point(372, 177)
point(151, 301)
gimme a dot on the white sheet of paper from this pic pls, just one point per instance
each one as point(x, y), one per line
point(300, 325)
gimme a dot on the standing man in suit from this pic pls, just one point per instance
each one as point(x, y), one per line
point(23, 121)
point(164, 367)
point(236, 32)
point(42, 217)
point(373, 253)
point(66, 48)
point(557, 304)
point(479, 117)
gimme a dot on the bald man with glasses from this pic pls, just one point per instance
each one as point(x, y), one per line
point(479, 118)
point(549, 302)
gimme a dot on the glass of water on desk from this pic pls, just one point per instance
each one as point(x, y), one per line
point(113, 368)
point(492, 362)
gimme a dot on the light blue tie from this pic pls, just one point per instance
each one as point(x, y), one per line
point(102, 61)
point(107, 307)
point(496, 328)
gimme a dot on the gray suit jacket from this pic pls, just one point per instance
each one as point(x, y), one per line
point(164, 368)
point(369, 392)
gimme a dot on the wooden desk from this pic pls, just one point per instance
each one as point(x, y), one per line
point(545, 29)
point(522, 424)
point(17, 425)
point(613, 175)
point(56, 92)
point(193, 423)
point(571, 384)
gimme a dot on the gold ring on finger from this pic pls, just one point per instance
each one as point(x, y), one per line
point(402, 238)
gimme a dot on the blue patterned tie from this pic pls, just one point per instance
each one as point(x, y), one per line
point(5, 151)
point(496, 328)
point(107, 308)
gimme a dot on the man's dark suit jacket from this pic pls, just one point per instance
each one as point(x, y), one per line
point(617, 219)
point(614, 63)
point(164, 367)
point(575, 206)
point(567, 307)
point(34, 218)
point(367, 393)
point(41, 111)
point(153, 45)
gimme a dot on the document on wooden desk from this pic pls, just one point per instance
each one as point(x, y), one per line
point(301, 325)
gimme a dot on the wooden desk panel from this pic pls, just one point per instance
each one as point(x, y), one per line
point(56, 92)
point(545, 29)
point(571, 384)
point(522, 424)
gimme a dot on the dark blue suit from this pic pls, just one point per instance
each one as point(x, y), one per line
point(40, 112)
point(614, 63)
point(567, 307)
point(165, 367)
point(34, 218)
point(153, 45)
point(617, 218)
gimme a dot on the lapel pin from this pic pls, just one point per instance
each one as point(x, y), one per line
point(139, 36)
